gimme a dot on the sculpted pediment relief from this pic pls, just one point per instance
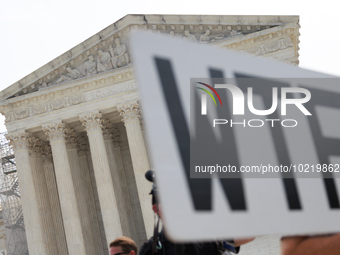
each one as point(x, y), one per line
point(268, 43)
point(109, 49)
point(107, 56)
point(112, 53)
point(265, 48)
point(115, 57)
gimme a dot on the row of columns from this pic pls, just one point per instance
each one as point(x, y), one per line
point(59, 196)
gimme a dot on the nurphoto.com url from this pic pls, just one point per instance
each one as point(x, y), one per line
point(268, 168)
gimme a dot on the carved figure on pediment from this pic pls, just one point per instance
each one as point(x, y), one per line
point(71, 75)
point(22, 114)
point(262, 50)
point(67, 102)
point(103, 61)
point(30, 111)
point(120, 57)
point(234, 33)
point(49, 107)
point(58, 104)
point(40, 109)
point(281, 44)
point(207, 37)
point(172, 34)
point(219, 37)
point(77, 99)
point(90, 66)
point(189, 36)
point(42, 85)
point(10, 116)
point(62, 79)
point(285, 43)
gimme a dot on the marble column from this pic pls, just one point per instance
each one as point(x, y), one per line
point(75, 241)
point(37, 232)
point(119, 183)
point(96, 200)
point(88, 192)
point(93, 126)
point(54, 199)
point(131, 186)
point(42, 197)
point(130, 114)
point(80, 190)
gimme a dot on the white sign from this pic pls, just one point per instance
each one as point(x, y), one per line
point(265, 152)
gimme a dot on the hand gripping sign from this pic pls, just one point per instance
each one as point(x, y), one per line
point(242, 146)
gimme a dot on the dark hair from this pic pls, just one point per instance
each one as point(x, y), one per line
point(126, 243)
point(150, 176)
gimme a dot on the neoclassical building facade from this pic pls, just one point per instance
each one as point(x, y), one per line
point(78, 134)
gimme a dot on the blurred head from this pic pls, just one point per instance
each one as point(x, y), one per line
point(123, 245)
point(150, 176)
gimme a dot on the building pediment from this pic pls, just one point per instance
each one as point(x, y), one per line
point(79, 133)
point(108, 50)
point(280, 42)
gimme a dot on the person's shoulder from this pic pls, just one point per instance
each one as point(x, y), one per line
point(163, 246)
point(206, 248)
point(146, 248)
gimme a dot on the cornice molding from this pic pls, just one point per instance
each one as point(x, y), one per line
point(67, 97)
point(266, 42)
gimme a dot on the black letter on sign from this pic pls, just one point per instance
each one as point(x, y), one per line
point(200, 188)
point(263, 87)
point(325, 147)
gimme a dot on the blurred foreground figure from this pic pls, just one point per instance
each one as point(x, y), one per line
point(311, 245)
point(159, 244)
point(123, 245)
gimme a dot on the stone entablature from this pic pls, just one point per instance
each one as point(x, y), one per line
point(67, 95)
point(100, 53)
point(267, 42)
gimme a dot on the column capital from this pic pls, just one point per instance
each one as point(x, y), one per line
point(130, 112)
point(35, 146)
point(83, 147)
point(116, 137)
point(107, 129)
point(71, 137)
point(47, 154)
point(19, 140)
point(54, 131)
point(92, 121)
